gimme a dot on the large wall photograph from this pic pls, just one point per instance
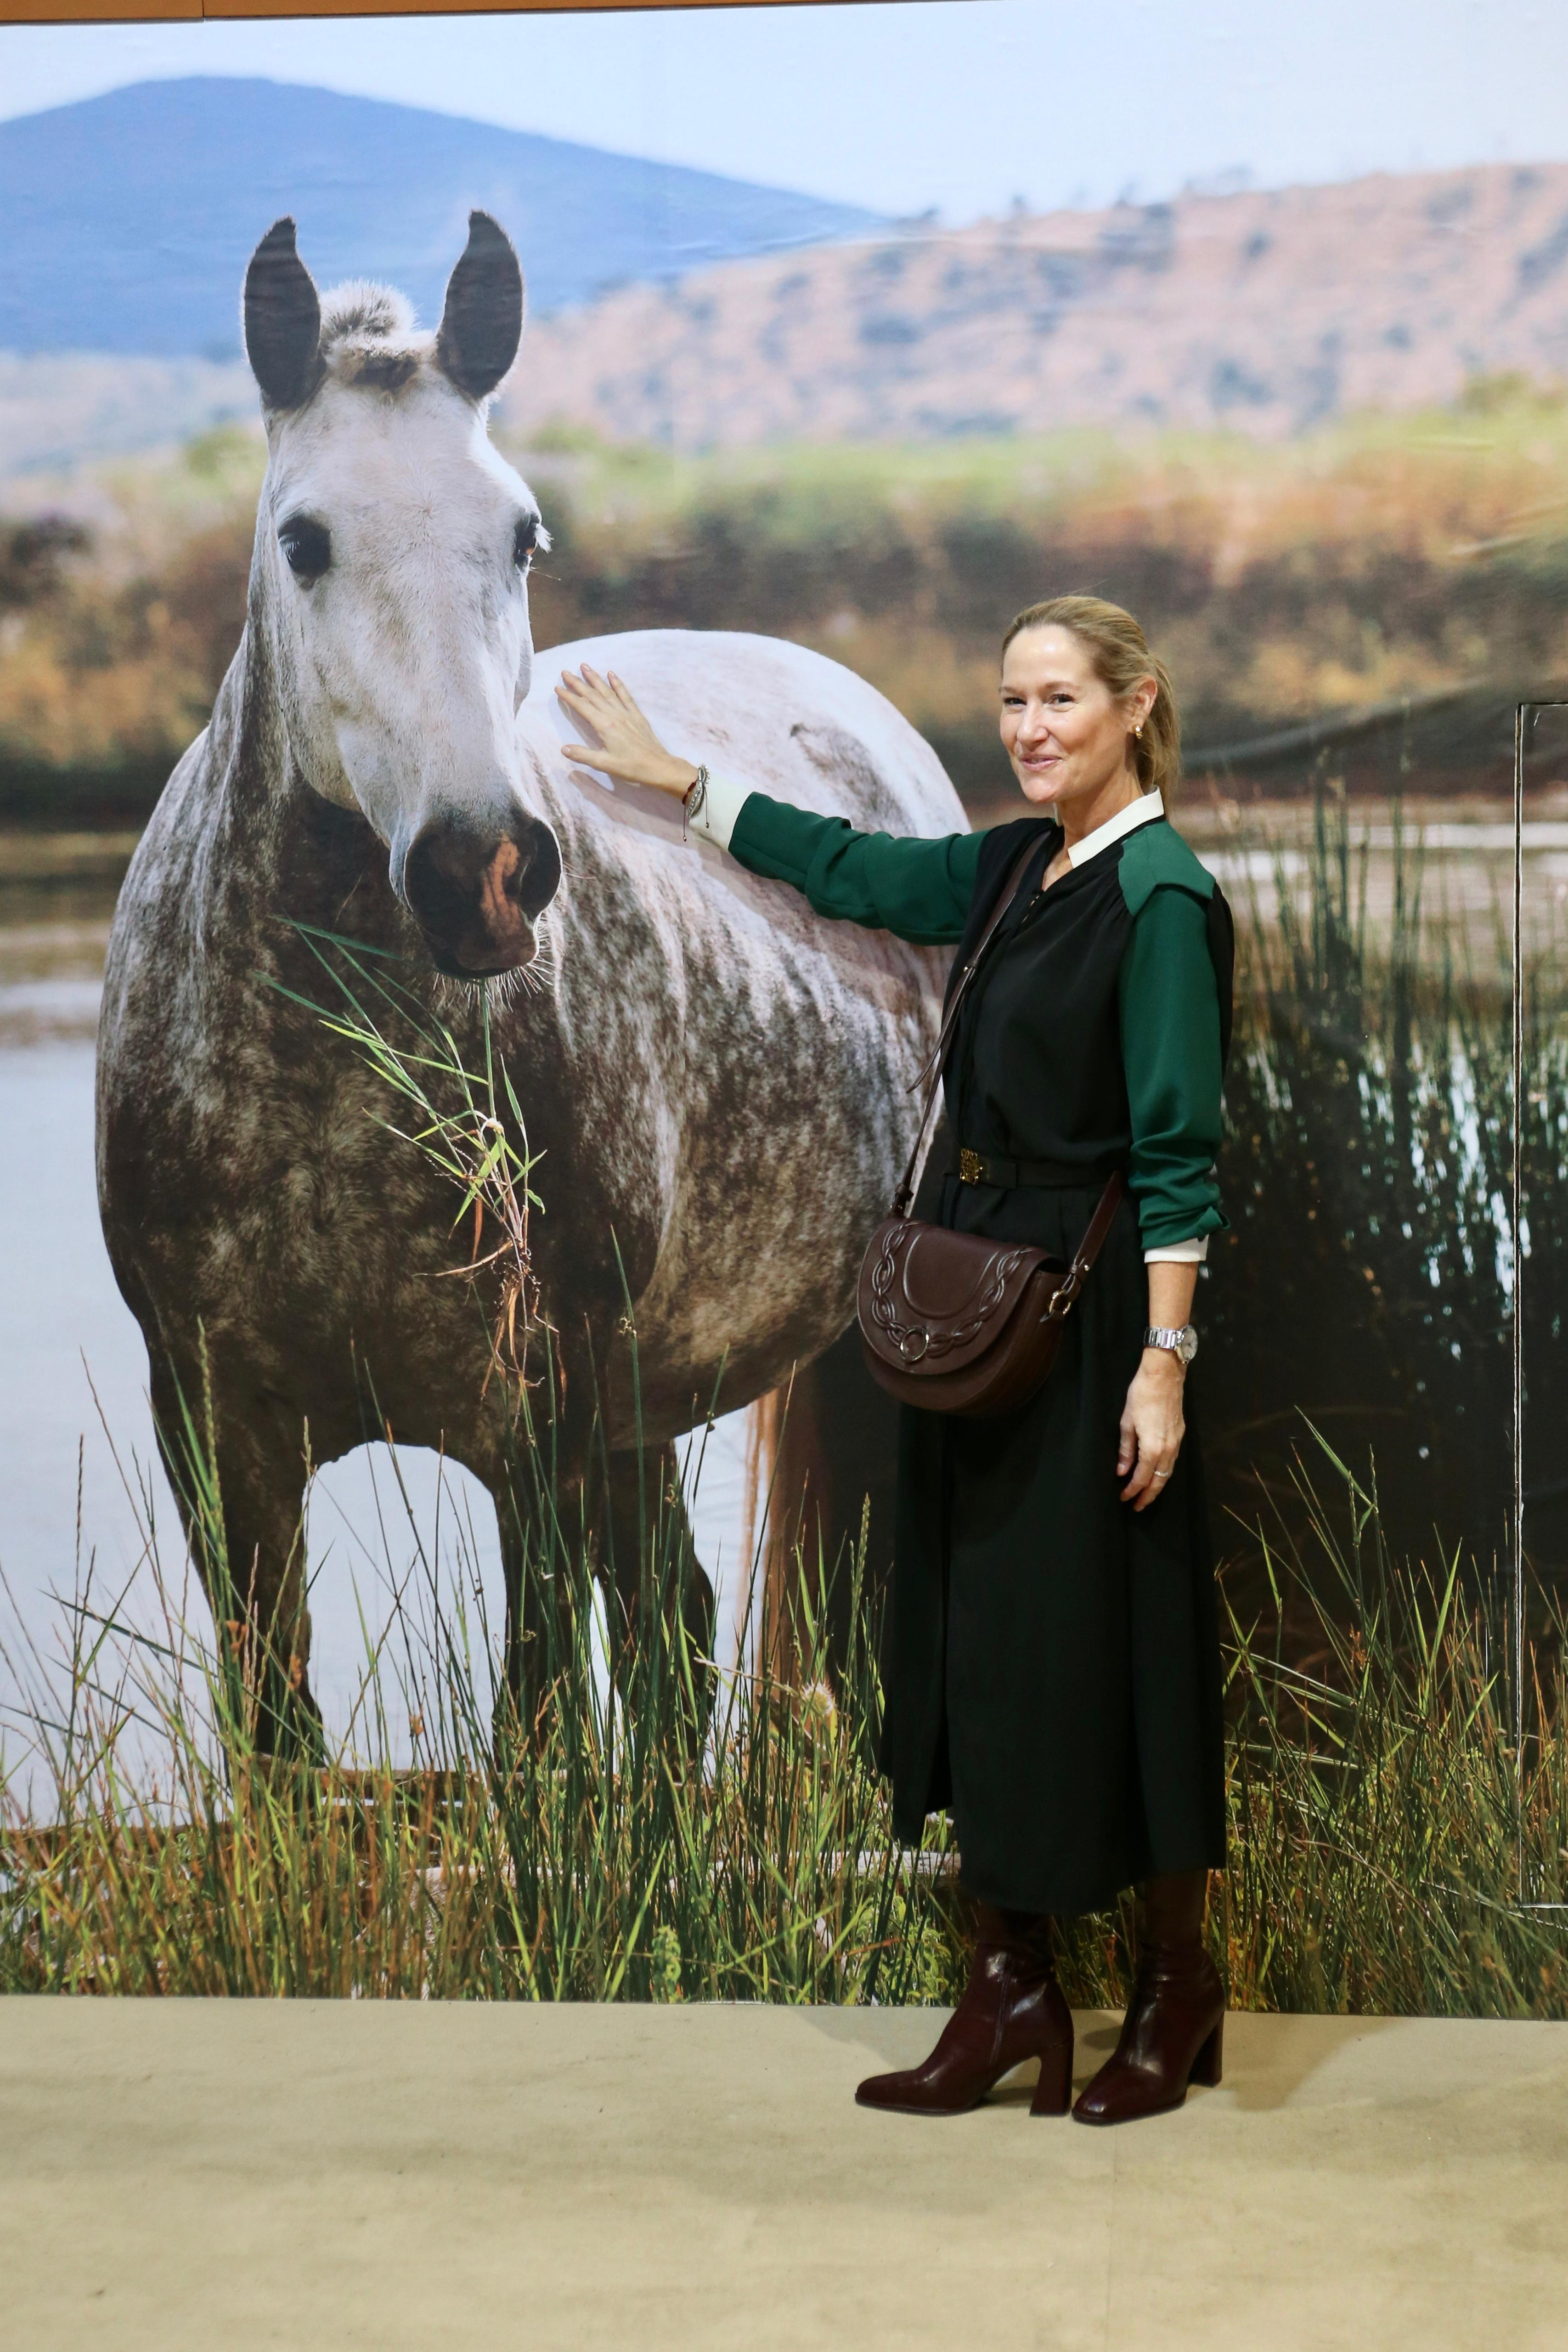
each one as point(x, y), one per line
point(481, 1225)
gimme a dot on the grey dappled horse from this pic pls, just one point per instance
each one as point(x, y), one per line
point(716, 1082)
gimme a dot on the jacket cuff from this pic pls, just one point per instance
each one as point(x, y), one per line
point(720, 813)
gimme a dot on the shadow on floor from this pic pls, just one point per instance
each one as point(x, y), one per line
point(1263, 2071)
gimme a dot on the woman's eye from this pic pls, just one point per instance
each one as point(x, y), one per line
point(307, 547)
point(524, 538)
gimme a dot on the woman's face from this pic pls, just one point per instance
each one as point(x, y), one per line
point(1067, 735)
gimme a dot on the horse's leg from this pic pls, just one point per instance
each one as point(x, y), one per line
point(628, 1514)
point(648, 1565)
point(239, 1479)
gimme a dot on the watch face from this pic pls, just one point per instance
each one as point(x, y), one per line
point(1187, 1347)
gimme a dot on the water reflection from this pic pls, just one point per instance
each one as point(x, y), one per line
point(57, 902)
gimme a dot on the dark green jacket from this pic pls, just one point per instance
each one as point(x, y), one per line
point(1096, 1031)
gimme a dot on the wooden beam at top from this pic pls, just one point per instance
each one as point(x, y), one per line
point(171, 11)
point(229, 9)
point(98, 11)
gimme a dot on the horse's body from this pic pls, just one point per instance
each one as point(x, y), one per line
point(715, 1083)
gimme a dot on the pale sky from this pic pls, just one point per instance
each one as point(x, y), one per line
point(961, 104)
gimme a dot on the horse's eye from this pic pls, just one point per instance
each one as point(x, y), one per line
point(524, 538)
point(308, 547)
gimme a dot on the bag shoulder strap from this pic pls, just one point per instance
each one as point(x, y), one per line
point(1089, 1248)
point(930, 1075)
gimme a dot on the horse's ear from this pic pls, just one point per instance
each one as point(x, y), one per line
point(282, 321)
point(482, 323)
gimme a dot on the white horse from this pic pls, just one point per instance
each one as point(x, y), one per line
point(716, 1083)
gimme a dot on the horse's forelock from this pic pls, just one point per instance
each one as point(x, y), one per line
point(368, 336)
point(361, 311)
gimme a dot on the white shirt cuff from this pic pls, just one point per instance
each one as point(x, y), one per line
point(716, 818)
point(1192, 1252)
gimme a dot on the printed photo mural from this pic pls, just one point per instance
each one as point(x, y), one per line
point(467, 1167)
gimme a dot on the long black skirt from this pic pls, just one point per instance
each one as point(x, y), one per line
point(1053, 1664)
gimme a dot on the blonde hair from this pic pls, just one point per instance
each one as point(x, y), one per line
point(1122, 659)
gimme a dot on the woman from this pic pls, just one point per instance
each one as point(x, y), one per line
point(1053, 1670)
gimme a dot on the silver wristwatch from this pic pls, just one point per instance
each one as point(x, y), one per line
point(1182, 1343)
point(694, 800)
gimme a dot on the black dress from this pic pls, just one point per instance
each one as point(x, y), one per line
point(1053, 1661)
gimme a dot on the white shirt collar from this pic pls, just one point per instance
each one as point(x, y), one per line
point(1142, 811)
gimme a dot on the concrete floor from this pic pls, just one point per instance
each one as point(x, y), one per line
point(225, 2174)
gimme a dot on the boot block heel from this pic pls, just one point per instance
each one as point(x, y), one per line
point(1205, 2066)
point(1053, 2092)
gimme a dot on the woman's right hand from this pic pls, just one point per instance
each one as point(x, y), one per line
point(628, 748)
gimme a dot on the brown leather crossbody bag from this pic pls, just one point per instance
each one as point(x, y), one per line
point(953, 1322)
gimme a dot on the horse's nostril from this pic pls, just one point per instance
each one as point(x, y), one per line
point(476, 896)
point(536, 877)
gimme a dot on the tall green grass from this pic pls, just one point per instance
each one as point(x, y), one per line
point(1391, 1848)
point(1395, 1847)
point(1368, 1167)
point(595, 1850)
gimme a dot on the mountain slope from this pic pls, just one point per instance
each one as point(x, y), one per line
point(130, 218)
point(1262, 313)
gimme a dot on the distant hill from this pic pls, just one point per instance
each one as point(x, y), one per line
point(129, 218)
point(57, 410)
point(1266, 314)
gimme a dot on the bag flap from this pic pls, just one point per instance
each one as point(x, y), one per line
point(933, 1299)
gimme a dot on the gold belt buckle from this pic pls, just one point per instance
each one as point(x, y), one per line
point(971, 1168)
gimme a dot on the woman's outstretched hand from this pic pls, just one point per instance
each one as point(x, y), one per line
point(627, 748)
point(1152, 1427)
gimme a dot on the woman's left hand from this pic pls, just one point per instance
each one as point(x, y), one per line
point(1152, 1427)
point(628, 748)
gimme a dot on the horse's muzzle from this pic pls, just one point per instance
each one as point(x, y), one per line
point(476, 895)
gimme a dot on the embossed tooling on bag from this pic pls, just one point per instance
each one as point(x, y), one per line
point(935, 1328)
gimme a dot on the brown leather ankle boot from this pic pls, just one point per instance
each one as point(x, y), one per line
point(1012, 2008)
point(1171, 2035)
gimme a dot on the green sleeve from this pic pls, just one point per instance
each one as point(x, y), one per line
point(919, 890)
point(1169, 1004)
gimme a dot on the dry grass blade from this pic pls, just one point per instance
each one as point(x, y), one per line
point(469, 1125)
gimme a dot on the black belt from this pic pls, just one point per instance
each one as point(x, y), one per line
point(1048, 1175)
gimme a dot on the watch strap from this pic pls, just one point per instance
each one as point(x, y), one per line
point(1174, 1340)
